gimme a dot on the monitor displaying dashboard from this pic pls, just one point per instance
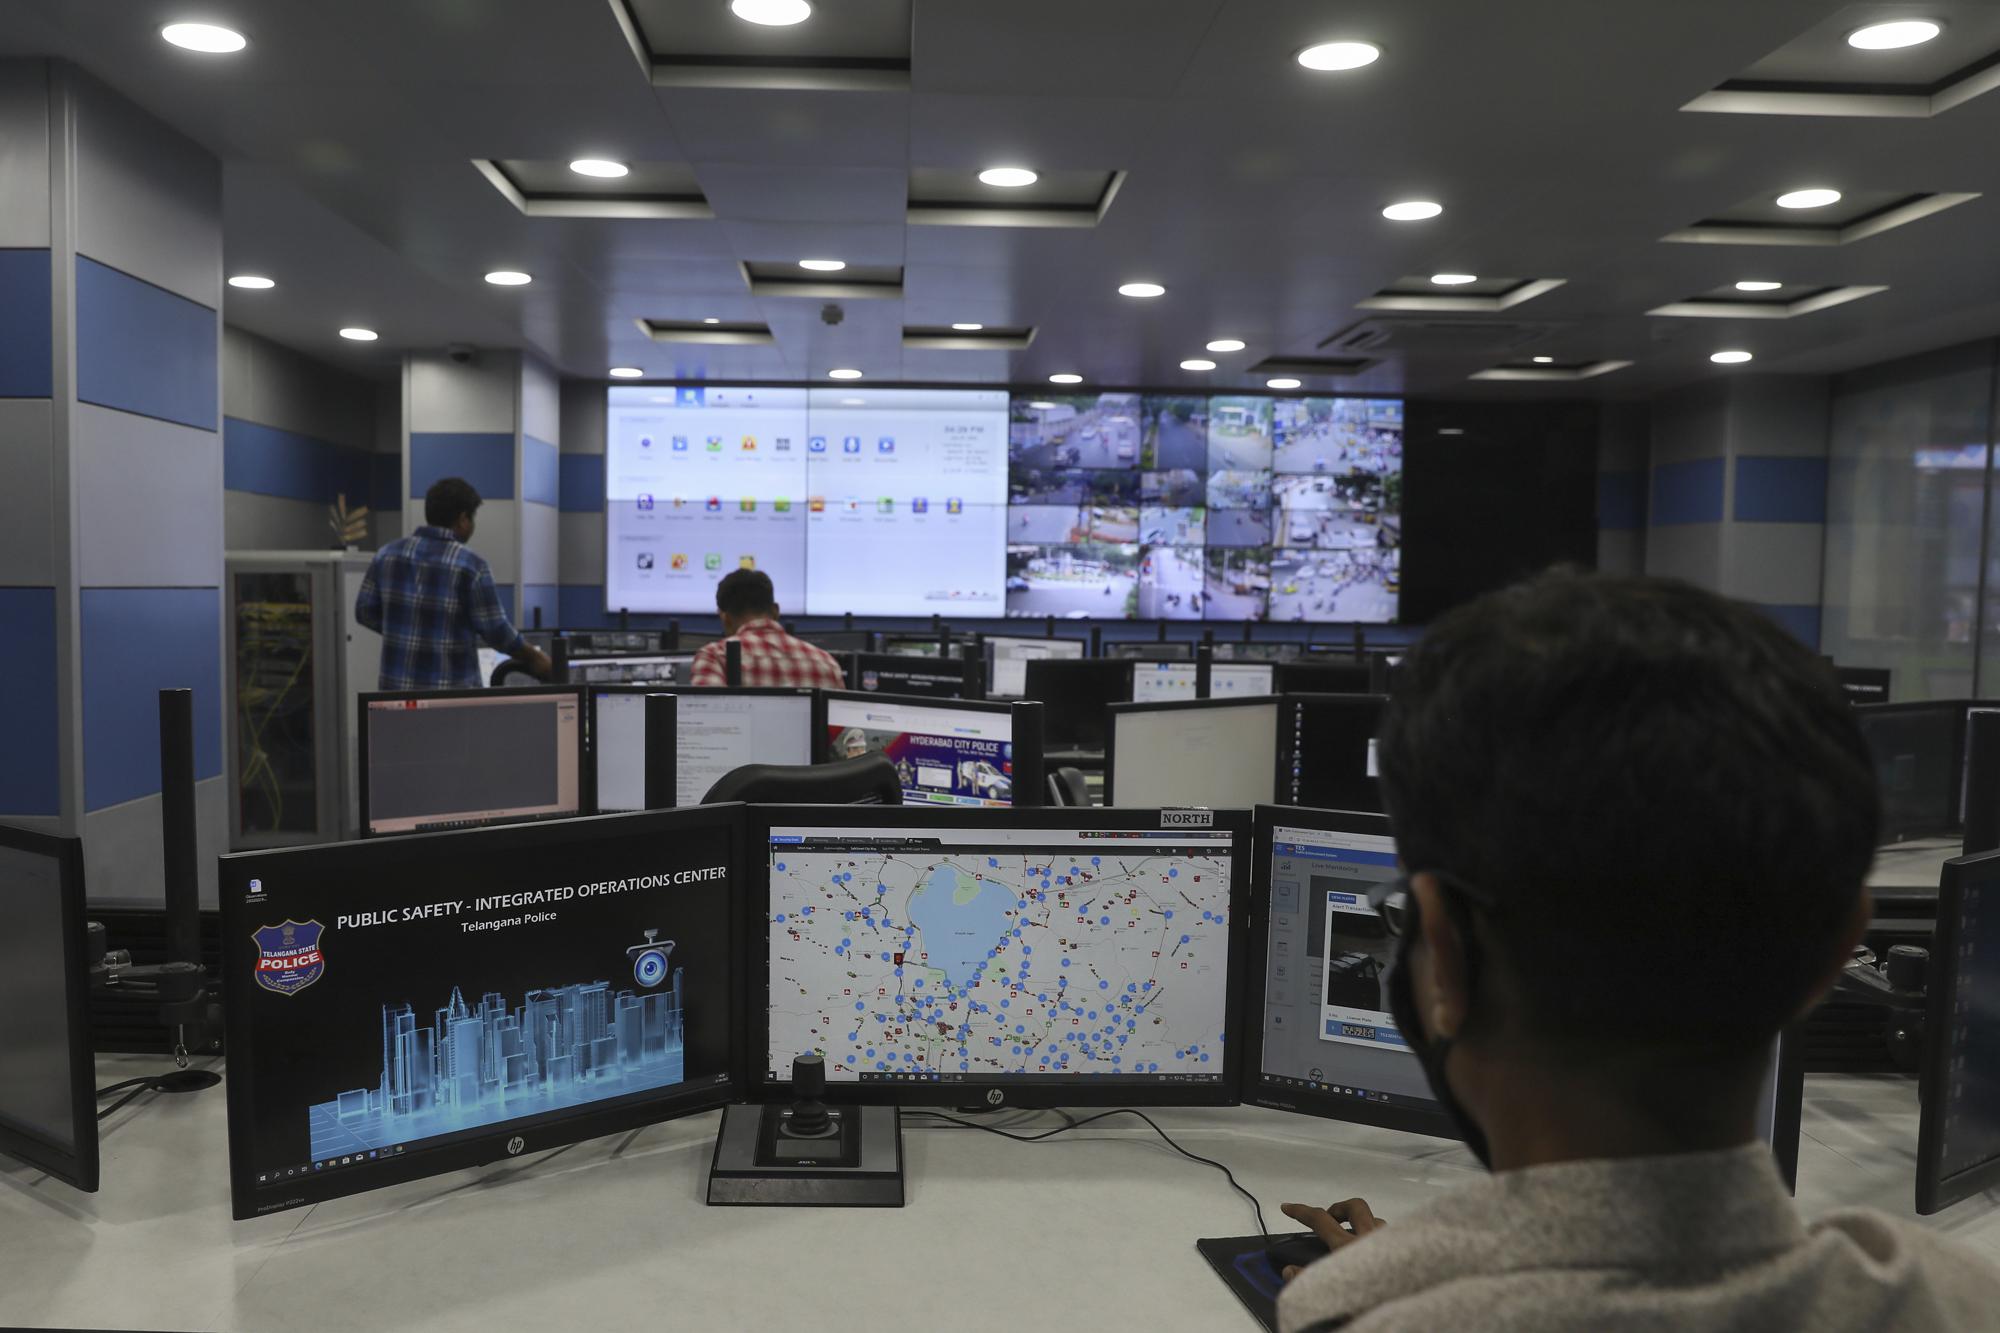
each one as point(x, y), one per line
point(974, 503)
point(949, 752)
point(1053, 957)
point(1164, 682)
point(432, 760)
point(874, 501)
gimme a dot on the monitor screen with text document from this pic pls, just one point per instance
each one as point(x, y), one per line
point(1222, 754)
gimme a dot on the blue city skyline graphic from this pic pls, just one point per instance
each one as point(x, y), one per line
point(479, 1065)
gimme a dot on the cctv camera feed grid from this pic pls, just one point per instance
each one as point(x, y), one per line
point(1970, 1129)
point(453, 762)
point(1327, 1027)
point(875, 501)
point(470, 993)
point(942, 755)
point(1205, 508)
point(987, 955)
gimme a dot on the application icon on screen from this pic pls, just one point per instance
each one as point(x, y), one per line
point(783, 444)
point(749, 444)
point(715, 444)
point(885, 445)
point(680, 444)
point(645, 559)
point(816, 445)
point(678, 562)
point(746, 562)
point(645, 501)
point(645, 441)
point(747, 504)
point(816, 505)
point(954, 506)
point(850, 444)
point(885, 505)
point(781, 505)
point(714, 504)
point(711, 561)
point(920, 505)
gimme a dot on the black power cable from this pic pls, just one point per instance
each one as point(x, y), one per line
point(1074, 1123)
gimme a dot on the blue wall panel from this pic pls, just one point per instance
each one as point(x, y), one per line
point(541, 472)
point(543, 597)
point(137, 642)
point(1803, 621)
point(27, 348)
point(29, 775)
point(583, 483)
point(1687, 492)
point(1621, 501)
point(140, 348)
point(487, 461)
point(267, 461)
point(581, 606)
point(1780, 490)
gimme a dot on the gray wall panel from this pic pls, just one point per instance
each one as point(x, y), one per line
point(1622, 551)
point(1774, 563)
point(276, 386)
point(581, 542)
point(121, 846)
point(583, 417)
point(541, 401)
point(253, 522)
point(1691, 551)
point(24, 153)
point(496, 535)
point(1690, 424)
point(149, 501)
point(540, 543)
point(1780, 415)
point(27, 493)
point(149, 200)
point(480, 397)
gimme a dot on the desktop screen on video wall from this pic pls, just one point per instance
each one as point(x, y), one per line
point(967, 502)
point(879, 501)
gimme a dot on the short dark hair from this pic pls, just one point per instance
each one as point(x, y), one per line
point(448, 499)
point(1664, 790)
point(746, 592)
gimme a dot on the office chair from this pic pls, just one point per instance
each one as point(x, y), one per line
point(511, 673)
point(868, 780)
point(1067, 787)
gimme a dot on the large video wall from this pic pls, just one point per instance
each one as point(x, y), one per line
point(969, 504)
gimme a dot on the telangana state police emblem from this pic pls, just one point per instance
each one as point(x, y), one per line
point(288, 956)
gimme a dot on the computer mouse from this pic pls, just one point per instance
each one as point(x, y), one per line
point(1295, 1251)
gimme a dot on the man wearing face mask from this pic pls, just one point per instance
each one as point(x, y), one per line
point(1634, 819)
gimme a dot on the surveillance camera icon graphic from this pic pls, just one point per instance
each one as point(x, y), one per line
point(649, 960)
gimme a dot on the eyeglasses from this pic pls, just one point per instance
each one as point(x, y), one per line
point(1394, 903)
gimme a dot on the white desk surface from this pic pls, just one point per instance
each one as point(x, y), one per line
point(1095, 1229)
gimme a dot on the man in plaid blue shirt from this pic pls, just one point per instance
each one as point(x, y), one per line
point(433, 601)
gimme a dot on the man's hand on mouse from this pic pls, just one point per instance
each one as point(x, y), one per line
point(1338, 1224)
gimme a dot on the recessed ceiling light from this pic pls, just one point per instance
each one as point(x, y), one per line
point(1065, 377)
point(711, 319)
point(1453, 279)
point(1893, 35)
point(1008, 178)
point(1141, 289)
point(207, 38)
point(771, 13)
point(1544, 360)
point(1814, 198)
point(1729, 358)
point(626, 373)
point(252, 282)
point(1042, 406)
point(844, 373)
point(823, 265)
point(601, 167)
point(1755, 285)
point(968, 328)
point(1412, 210)
point(507, 277)
point(1281, 384)
point(359, 335)
point(1197, 363)
point(1340, 55)
point(1226, 345)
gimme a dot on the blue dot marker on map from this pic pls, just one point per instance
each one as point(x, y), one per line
point(1186, 938)
point(1204, 1057)
point(1097, 860)
point(1104, 921)
point(1147, 986)
point(993, 860)
point(858, 1006)
point(1168, 914)
point(1131, 987)
point(779, 917)
point(1019, 1029)
point(962, 1065)
point(839, 950)
point(1065, 962)
point(781, 865)
point(871, 1052)
point(1173, 873)
point(1104, 985)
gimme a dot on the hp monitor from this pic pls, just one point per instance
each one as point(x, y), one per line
point(1026, 957)
point(1007, 662)
point(48, 1109)
point(659, 669)
point(1958, 1136)
point(1326, 751)
point(445, 759)
point(400, 1010)
point(716, 733)
point(1218, 753)
point(1164, 682)
point(1076, 699)
point(946, 752)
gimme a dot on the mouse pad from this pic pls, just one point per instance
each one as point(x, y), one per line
point(1239, 1261)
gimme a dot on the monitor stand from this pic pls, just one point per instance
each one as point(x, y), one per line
point(807, 1153)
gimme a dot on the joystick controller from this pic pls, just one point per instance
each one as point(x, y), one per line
point(809, 1118)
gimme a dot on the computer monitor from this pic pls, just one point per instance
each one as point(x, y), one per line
point(931, 677)
point(442, 759)
point(1320, 1039)
point(628, 759)
point(1919, 754)
point(1864, 685)
point(1326, 751)
point(1218, 753)
point(654, 669)
point(48, 1106)
point(1150, 652)
point(949, 753)
point(1076, 698)
point(1324, 678)
point(1007, 662)
point(1958, 1135)
point(716, 732)
point(1163, 682)
point(401, 1010)
point(840, 640)
point(1021, 957)
point(903, 645)
point(1226, 651)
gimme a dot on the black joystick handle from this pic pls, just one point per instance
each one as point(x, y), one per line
point(808, 1086)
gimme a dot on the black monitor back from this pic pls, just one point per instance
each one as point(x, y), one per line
point(1958, 1134)
point(1076, 697)
point(48, 1107)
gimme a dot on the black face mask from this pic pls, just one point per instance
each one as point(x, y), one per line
point(1430, 1052)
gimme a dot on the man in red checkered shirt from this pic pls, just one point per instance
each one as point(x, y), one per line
point(749, 609)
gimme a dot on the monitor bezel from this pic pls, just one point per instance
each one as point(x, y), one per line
point(1067, 1091)
point(1936, 1191)
point(1115, 711)
point(815, 722)
point(78, 1166)
point(1286, 702)
point(551, 1129)
point(1952, 820)
point(586, 796)
point(968, 670)
point(990, 650)
point(1120, 665)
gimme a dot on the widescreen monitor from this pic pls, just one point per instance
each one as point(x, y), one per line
point(1219, 753)
point(982, 958)
point(444, 759)
point(1958, 1136)
point(1076, 698)
point(1310, 677)
point(401, 1010)
point(627, 758)
point(1320, 1038)
point(946, 753)
point(48, 1107)
point(1326, 751)
point(889, 502)
point(1165, 682)
point(1007, 661)
point(931, 677)
point(716, 732)
point(1150, 652)
point(655, 669)
point(1919, 754)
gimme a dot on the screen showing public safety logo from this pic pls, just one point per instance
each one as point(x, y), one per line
point(288, 956)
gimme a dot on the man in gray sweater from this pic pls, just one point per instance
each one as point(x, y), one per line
point(1635, 819)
